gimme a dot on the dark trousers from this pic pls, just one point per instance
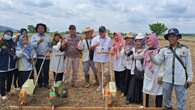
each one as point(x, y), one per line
point(9, 80)
point(3, 76)
point(5, 82)
point(127, 80)
point(120, 80)
point(22, 77)
point(15, 78)
point(158, 100)
point(44, 75)
point(58, 76)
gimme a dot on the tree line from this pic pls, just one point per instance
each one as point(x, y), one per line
point(158, 28)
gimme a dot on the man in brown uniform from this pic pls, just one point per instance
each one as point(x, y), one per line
point(72, 55)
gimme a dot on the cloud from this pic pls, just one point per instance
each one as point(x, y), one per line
point(38, 3)
point(126, 15)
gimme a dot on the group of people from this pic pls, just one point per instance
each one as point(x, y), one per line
point(141, 68)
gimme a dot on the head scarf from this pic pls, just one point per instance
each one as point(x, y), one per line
point(28, 49)
point(153, 50)
point(128, 46)
point(118, 43)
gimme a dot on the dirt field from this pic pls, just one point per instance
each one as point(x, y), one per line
point(81, 97)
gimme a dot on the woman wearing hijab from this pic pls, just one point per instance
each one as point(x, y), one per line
point(117, 51)
point(18, 40)
point(26, 54)
point(129, 44)
point(151, 85)
point(135, 94)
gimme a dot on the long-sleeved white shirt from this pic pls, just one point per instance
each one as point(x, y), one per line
point(138, 55)
point(128, 59)
point(165, 57)
point(119, 63)
point(57, 59)
point(82, 45)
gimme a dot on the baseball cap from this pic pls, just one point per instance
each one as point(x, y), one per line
point(102, 29)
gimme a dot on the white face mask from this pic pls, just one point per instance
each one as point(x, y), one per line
point(7, 37)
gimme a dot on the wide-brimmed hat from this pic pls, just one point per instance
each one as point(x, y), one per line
point(129, 35)
point(139, 36)
point(87, 29)
point(173, 31)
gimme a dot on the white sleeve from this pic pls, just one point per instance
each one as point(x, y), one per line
point(57, 46)
point(123, 57)
point(34, 54)
point(158, 58)
point(189, 65)
point(94, 41)
point(34, 41)
point(161, 70)
point(110, 44)
point(81, 44)
point(19, 52)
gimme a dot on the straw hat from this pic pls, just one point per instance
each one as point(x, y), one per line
point(129, 35)
point(88, 29)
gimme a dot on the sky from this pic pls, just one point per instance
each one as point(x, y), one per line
point(116, 15)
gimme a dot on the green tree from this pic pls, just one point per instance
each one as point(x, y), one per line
point(31, 28)
point(158, 28)
point(66, 32)
point(110, 34)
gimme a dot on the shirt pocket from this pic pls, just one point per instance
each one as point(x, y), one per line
point(168, 55)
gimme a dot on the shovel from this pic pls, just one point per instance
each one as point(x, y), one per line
point(29, 85)
point(112, 83)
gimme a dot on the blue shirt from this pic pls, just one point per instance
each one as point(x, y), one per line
point(43, 48)
point(25, 57)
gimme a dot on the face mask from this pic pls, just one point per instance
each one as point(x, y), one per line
point(7, 37)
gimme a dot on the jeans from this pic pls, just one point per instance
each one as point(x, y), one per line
point(181, 94)
point(86, 66)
